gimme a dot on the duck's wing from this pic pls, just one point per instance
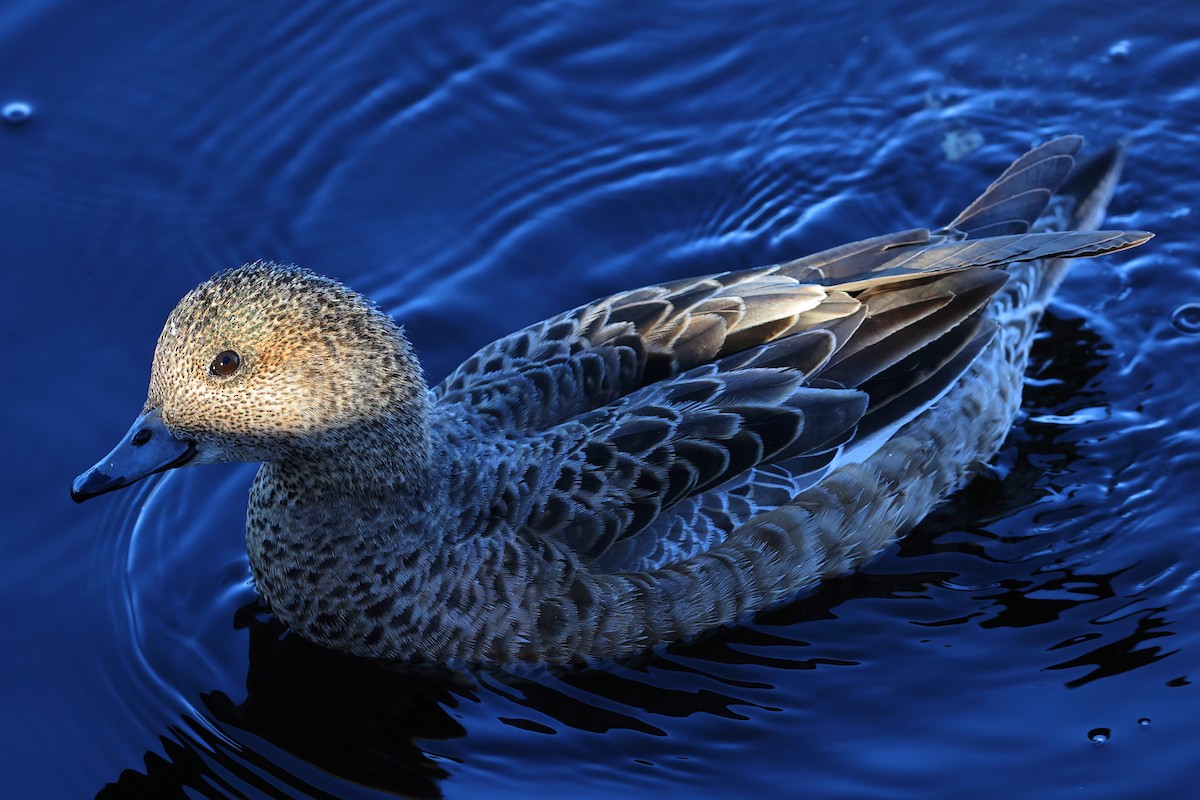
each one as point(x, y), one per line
point(590, 356)
point(808, 399)
point(704, 520)
point(609, 473)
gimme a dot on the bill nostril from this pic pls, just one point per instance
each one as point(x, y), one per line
point(140, 438)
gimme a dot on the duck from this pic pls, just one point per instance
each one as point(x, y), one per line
point(636, 471)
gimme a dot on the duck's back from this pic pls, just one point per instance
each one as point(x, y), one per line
point(644, 428)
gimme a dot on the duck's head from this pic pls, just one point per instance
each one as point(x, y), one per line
point(263, 363)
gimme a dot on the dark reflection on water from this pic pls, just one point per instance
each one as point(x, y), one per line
point(346, 717)
point(1065, 362)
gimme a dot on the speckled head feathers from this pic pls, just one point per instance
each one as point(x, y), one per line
point(312, 358)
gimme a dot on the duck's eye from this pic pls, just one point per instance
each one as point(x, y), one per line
point(226, 363)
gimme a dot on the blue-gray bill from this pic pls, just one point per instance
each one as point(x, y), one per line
point(148, 447)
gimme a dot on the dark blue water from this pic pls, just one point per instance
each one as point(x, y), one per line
point(476, 167)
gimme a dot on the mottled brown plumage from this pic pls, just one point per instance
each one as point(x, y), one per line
point(633, 471)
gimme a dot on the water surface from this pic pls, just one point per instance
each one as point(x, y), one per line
point(479, 167)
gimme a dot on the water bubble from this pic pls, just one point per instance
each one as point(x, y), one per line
point(17, 113)
point(1099, 735)
point(1119, 51)
point(1144, 722)
point(1186, 318)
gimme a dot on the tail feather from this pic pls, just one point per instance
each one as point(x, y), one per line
point(1091, 186)
point(1079, 207)
point(1020, 195)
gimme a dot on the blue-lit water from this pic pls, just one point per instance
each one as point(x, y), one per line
point(476, 167)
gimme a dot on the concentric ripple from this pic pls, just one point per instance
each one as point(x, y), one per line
point(479, 167)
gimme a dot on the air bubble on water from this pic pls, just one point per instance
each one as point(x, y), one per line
point(1186, 318)
point(17, 112)
point(1119, 51)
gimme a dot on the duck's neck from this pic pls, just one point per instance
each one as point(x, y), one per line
point(331, 531)
point(391, 457)
point(378, 481)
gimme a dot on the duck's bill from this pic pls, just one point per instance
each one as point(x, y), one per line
point(147, 448)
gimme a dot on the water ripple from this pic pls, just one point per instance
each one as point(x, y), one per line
point(475, 169)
